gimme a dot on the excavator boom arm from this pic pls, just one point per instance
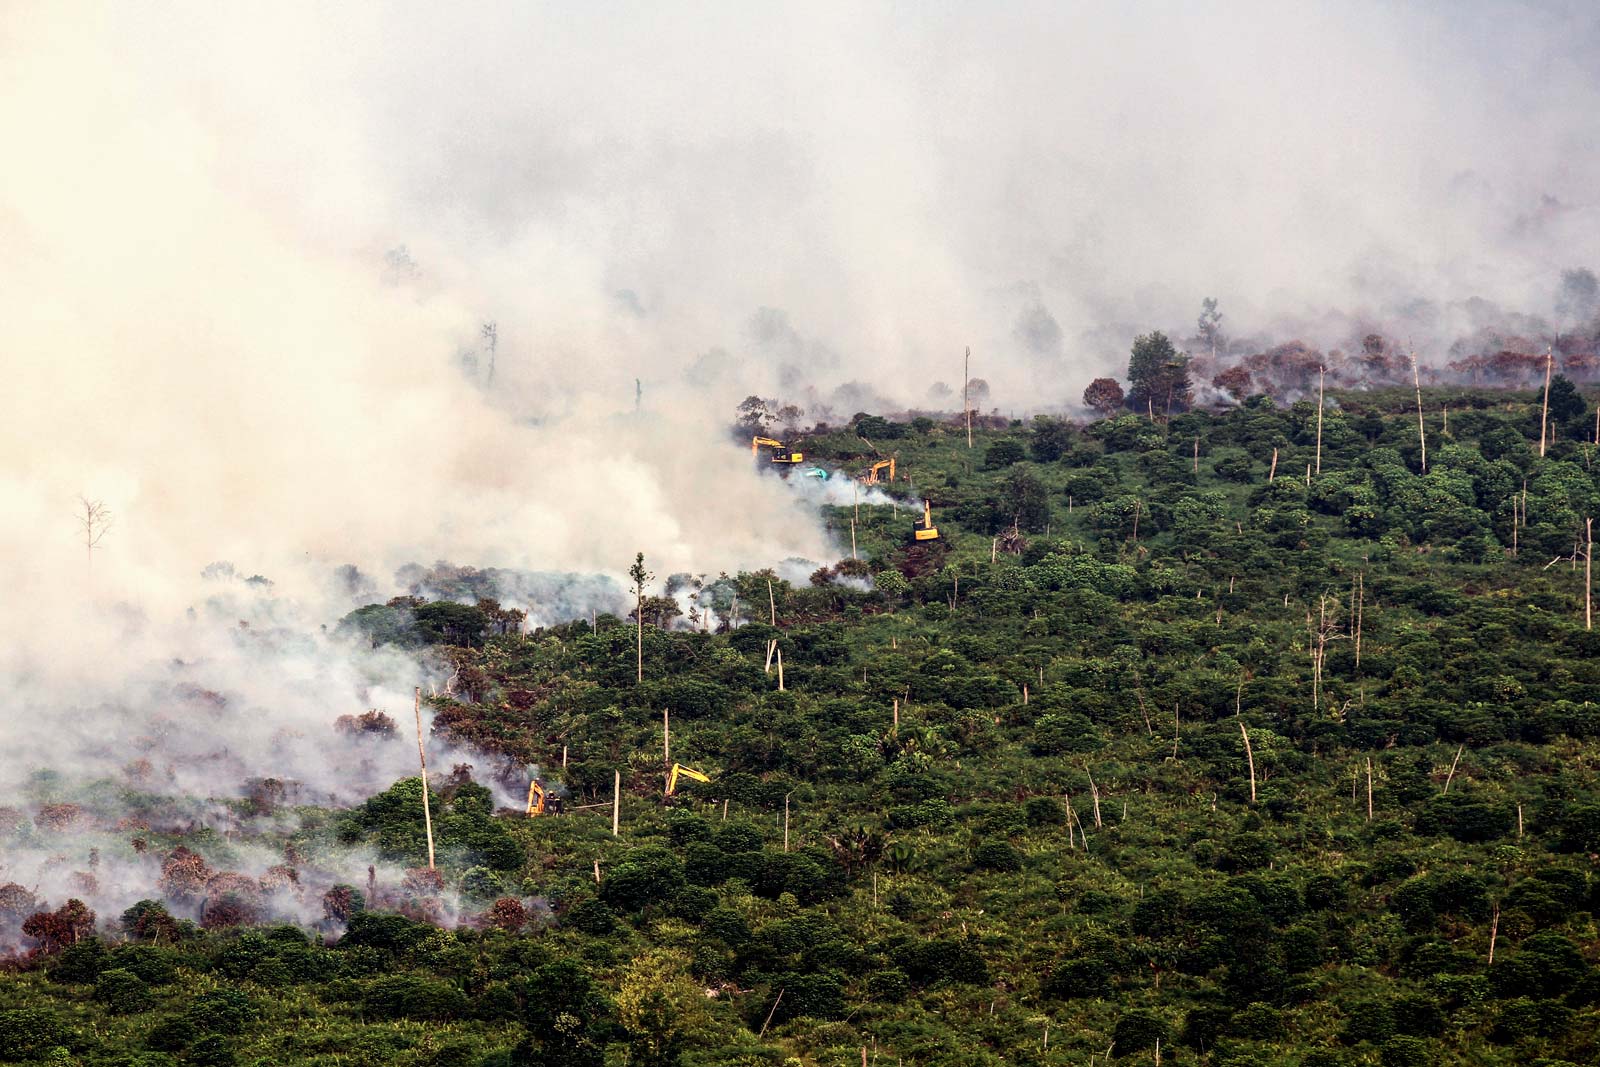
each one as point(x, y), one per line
point(687, 772)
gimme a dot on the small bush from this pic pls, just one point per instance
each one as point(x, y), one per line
point(121, 991)
point(27, 1031)
point(212, 1051)
point(1137, 1031)
point(151, 964)
point(171, 1034)
point(221, 1011)
point(997, 856)
point(405, 996)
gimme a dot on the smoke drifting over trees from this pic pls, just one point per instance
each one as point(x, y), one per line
point(301, 286)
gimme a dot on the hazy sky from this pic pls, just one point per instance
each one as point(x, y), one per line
point(201, 326)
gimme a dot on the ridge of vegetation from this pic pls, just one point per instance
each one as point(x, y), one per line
point(1165, 740)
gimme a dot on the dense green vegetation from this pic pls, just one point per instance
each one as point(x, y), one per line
point(1002, 809)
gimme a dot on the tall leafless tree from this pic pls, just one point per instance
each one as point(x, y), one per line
point(491, 341)
point(95, 519)
point(640, 578)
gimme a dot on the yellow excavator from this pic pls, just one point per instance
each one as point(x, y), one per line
point(540, 800)
point(870, 476)
point(687, 772)
point(927, 531)
point(780, 454)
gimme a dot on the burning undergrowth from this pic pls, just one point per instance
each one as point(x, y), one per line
point(151, 866)
point(233, 785)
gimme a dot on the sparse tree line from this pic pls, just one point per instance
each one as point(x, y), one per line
point(1176, 739)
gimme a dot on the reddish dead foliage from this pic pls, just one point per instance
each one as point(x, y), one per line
point(923, 557)
point(460, 775)
point(10, 819)
point(507, 914)
point(421, 902)
point(368, 723)
point(428, 910)
point(58, 817)
point(231, 900)
point(85, 883)
point(280, 878)
point(183, 874)
point(266, 794)
point(339, 903)
point(1235, 381)
point(208, 699)
point(422, 881)
point(55, 930)
point(16, 902)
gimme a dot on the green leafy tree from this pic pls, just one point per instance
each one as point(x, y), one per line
point(657, 1005)
point(1158, 375)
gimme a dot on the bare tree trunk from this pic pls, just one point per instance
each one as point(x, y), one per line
point(1321, 373)
point(966, 383)
point(1494, 933)
point(1250, 758)
point(1453, 763)
point(1588, 574)
point(770, 1013)
point(1138, 691)
point(1272, 472)
point(1369, 788)
point(666, 746)
point(1544, 414)
point(1197, 453)
point(422, 758)
point(1422, 432)
point(1361, 603)
point(1094, 791)
point(616, 805)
